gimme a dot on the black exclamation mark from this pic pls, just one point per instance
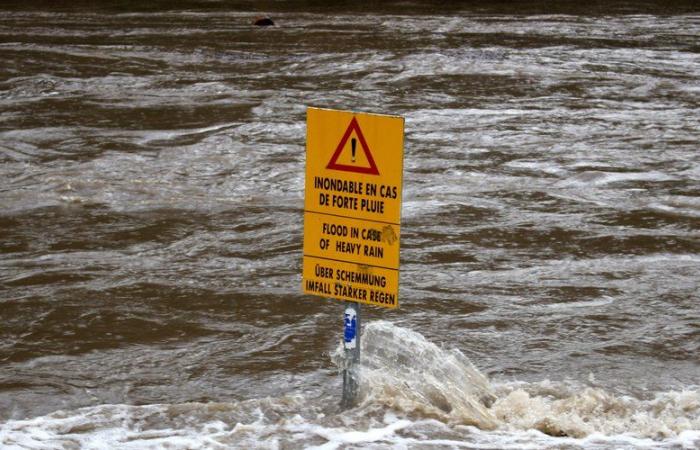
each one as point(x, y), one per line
point(352, 143)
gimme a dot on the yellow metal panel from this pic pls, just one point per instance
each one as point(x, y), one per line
point(352, 207)
point(332, 187)
point(351, 282)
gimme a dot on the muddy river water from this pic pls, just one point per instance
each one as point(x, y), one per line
point(151, 216)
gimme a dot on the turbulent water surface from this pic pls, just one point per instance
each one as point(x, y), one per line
point(151, 194)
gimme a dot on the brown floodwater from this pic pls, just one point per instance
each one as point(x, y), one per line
point(152, 165)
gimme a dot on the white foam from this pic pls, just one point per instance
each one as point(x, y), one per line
point(339, 437)
point(604, 301)
point(414, 393)
point(444, 383)
point(601, 178)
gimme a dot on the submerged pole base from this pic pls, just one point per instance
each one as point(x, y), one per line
point(350, 387)
point(351, 345)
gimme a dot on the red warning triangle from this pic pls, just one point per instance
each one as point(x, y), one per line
point(335, 165)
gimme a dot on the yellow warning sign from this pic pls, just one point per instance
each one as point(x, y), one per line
point(353, 160)
point(368, 187)
point(352, 208)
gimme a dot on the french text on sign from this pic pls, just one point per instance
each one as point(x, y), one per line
point(354, 194)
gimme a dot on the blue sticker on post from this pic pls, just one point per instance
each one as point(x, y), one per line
point(350, 334)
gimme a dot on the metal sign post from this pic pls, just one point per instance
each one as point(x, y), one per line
point(352, 219)
point(351, 346)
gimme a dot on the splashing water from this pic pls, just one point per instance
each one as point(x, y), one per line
point(557, 411)
point(404, 371)
point(401, 369)
point(413, 393)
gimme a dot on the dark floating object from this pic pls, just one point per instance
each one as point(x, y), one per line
point(263, 22)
